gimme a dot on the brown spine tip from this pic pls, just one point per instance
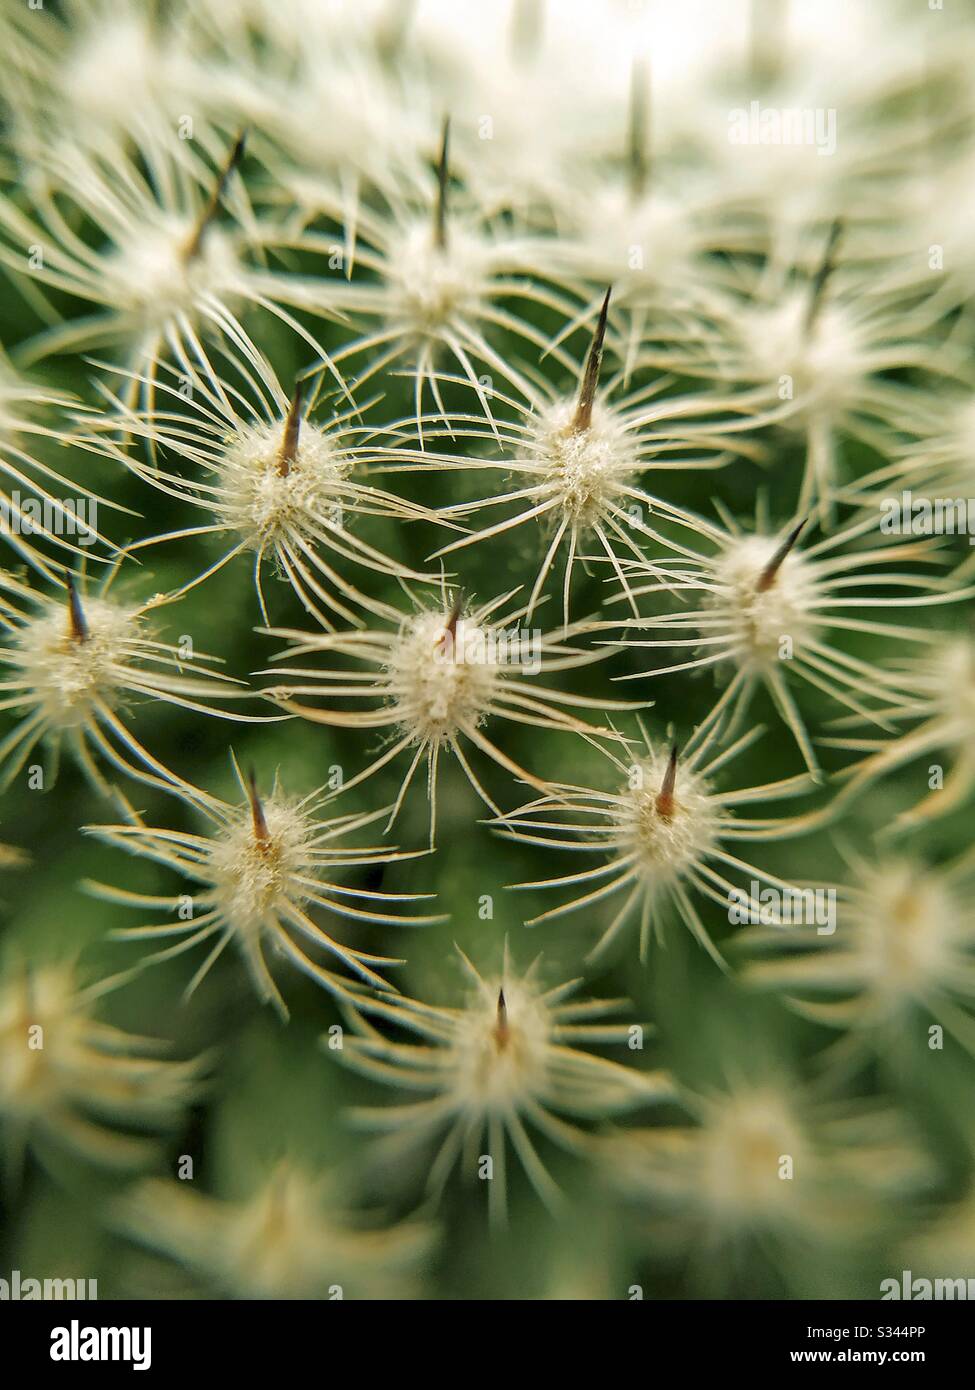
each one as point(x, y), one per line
point(638, 158)
point(826, 267)
point(665, 797)
point(195, 243)
point(292, 429)
point(590, 375)
point(502, 1032)
point(79, 623)
point(443, 182)
point(767, 577)
point(261, 833)
point(453, 618)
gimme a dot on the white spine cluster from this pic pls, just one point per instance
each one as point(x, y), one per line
point(448, 346)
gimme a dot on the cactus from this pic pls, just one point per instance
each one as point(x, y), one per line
point(488, 694)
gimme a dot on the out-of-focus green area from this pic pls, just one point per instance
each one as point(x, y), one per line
point(273, 1090)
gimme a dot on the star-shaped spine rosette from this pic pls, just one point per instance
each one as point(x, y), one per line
point(440, 287)
point(821, 354)
point(436, 678)
point(313, 298)
point(69, 1081)
point(73, 665)
point(115, 74)
point(576, 462)
point(663, 836)
point(770, 610)
point(165, 274)
point(509, 1059)
point(901, 955)
point(255, 879)
point(272, 481)
point(288, 1238)
point(769, 1160)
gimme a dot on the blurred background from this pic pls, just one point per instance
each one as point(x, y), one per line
point(320, 88)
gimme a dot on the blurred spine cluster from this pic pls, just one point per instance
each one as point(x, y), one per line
point(440, 365)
